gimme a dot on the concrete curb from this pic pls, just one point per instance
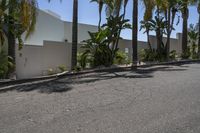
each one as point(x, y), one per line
point(4, 85)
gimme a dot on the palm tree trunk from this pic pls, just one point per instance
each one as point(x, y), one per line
point(168, 32)
point(74, 34)
point(135, 32)
point(158, 40)
point(158, 33)
point(185, 30)
point(199, 30)
point(11, 46)
point(148, 40)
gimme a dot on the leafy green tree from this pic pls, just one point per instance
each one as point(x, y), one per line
point(100, 45)
point(146, 25)
point(170, 12)
point(113, 10)
point(149, 6)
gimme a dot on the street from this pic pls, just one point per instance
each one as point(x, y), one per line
point(159, 99)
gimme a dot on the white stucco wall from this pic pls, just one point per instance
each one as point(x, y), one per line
point(33, 60)
point(82, 31)
point(48, 28)
point(51, 28)
point(46, 48)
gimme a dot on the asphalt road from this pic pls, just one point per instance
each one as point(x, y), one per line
point(162, 99)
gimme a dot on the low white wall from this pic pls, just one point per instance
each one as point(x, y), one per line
point(33, 61)
point(175, 44)
point(39, 55)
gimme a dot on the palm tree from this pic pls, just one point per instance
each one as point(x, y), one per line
point(198, 9)
point(185, 14)
point(74, 34)
point(135, 32)
point(17, 17)
point(24, 14)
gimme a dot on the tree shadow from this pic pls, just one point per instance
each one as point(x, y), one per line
point(156, 69)
point(46, 87)
point(100, 77)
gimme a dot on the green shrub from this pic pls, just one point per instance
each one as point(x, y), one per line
point(62, 68)
point(186, 54)
point(121, 58)
point(195, 56)
point(173, 55)
point(77, 68)
point(84, 60)
point(50, 71)
point(152, 55)
point(194, 53)
point(148, 55)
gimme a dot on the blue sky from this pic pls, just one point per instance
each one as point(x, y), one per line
point(88, 13)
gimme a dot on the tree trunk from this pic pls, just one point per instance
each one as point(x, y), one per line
point(135, 32)
point(74, 34)
point(168, 33)
point(119, 33)
point(199, 34)
point(185, 30)
point(158, 33)
point(100, 10)
point(11, 46)
point(148, 40)
point(158, 40)
point(99, 25)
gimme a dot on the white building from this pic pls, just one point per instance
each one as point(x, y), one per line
point(50, 45)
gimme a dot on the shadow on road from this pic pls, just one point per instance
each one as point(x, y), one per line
point(64, 84)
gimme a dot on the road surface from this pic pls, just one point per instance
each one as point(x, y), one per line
point(159, 99)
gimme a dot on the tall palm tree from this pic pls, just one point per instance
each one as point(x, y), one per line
point(198, 9)
point(74, 34)
point(135, 32)
point(185, 14)
point(17, 17)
